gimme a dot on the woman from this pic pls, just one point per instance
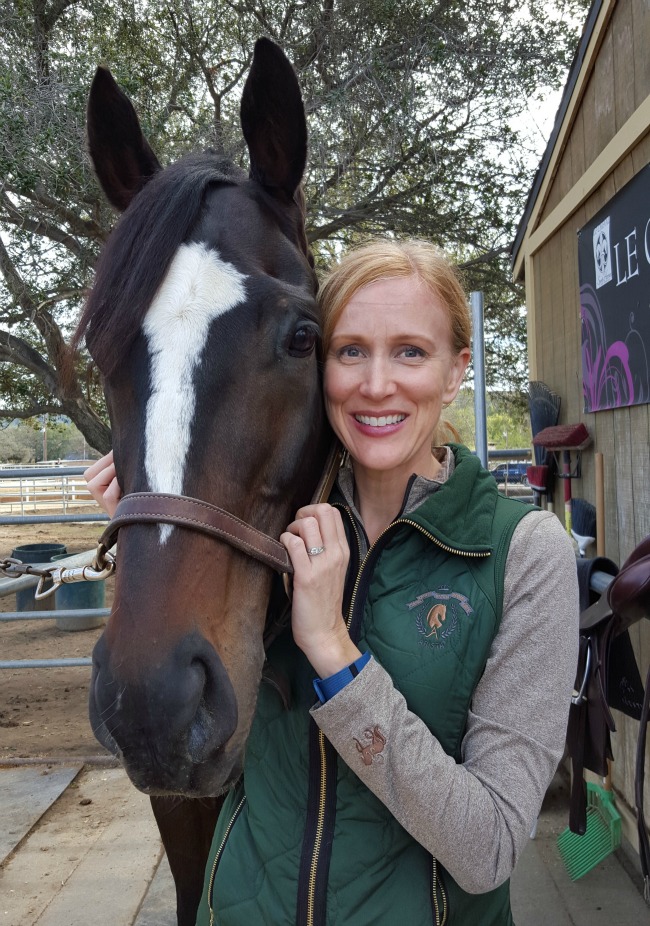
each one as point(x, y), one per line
point(432, 652)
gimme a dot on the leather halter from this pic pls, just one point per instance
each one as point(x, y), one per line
point(197, 515)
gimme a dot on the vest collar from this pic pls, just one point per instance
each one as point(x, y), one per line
point(457, 508)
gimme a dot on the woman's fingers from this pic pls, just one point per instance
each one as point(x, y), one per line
point(98, 466)
point(102, 483)
point(316, 615)
point(112, 495)
point(320, 526)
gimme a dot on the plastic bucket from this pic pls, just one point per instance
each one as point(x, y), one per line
point(77, 595)
point(35, 553)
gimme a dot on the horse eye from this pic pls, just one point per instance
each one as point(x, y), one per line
point(303, 341)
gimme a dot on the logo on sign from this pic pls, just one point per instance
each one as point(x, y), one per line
point(602, 253)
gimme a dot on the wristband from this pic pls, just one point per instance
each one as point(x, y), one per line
point(326, 688)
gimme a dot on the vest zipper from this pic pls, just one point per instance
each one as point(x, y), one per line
point(322, 795)
point(440, 915)
point(311, 891)
point(218, 854)
point(443, 546)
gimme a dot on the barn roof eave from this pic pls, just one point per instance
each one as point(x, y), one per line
point(574, 74)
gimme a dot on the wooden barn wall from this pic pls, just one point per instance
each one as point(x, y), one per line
point(619, 83)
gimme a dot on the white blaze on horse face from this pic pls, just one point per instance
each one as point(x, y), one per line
point(198, 288)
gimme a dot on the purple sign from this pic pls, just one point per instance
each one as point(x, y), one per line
point(614, 269)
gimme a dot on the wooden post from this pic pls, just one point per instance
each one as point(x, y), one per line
point(600, 503)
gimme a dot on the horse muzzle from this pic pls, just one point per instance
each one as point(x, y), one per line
point(170, 724)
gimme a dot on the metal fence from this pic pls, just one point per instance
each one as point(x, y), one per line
point(48, 487)
point(52, 488)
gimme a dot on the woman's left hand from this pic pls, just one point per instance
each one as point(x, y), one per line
point(317, 607)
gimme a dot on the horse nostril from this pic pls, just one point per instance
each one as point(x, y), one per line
point(215, 717)
point(184, 708)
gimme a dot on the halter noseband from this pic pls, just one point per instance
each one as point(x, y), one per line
point(197, 515)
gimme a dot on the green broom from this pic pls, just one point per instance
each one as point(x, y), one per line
point(603, 834)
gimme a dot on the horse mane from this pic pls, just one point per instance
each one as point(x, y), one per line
point(139, 251)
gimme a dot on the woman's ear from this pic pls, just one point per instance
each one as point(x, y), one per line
point(456, 373)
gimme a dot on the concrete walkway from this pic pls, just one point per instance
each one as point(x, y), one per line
point(543, 894)
point(85, 849)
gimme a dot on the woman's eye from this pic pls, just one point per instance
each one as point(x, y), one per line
point(303, 341)
point(349, 352)
point(412, 352)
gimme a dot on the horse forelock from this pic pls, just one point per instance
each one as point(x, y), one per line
point(198, 288)
point(140, 250)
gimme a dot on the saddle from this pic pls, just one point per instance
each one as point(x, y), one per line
point(600, 683)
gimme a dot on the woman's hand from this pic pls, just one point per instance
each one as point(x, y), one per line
point(103, 484)
point(317, 608)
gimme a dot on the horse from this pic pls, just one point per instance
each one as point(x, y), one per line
point(203, 322)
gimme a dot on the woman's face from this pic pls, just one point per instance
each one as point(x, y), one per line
point(388, 371)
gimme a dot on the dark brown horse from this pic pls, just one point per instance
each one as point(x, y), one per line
point(203, 322)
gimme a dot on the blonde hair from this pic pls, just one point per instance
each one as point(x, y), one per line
point(386, 259)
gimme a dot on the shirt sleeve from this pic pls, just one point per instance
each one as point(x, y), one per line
point(478, 817)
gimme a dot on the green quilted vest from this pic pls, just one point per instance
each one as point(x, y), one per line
point(301, 840)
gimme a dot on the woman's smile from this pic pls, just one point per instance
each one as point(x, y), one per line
point(380, 423)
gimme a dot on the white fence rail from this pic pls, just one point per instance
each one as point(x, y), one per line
point(53, 487)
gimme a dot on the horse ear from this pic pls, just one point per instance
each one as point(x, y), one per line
point(120, 153)
point(273, 120)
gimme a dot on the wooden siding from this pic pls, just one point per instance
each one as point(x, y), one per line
point(618, 85)
point(619, 82)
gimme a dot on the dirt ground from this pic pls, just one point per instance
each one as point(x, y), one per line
point(44, 712)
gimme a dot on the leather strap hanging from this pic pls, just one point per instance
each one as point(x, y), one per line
point(639, 781)
point(626, 601)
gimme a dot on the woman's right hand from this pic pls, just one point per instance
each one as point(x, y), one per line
point(103, 484)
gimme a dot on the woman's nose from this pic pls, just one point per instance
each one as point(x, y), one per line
point(379, 380)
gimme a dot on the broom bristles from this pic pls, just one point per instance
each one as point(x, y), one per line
point(583, 517)
point(602, 837)
point(544, 409)
point(563, 437)
point(537, 478)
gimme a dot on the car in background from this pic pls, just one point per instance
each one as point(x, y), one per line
point(511, 472)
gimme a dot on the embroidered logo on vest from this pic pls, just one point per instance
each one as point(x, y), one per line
point(437, 615)
point(370, 750)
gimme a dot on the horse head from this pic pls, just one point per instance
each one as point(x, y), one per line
point(204, 324)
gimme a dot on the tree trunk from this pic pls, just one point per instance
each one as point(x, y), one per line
point(89, 423)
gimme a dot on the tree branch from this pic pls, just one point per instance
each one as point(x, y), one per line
point(47, 327)
point(57, 8)
point(38, 226)
point(31, 411)
point(16, 350)
point(86, 228)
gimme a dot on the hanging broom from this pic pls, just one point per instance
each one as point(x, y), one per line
point(602, 837)
point(544, 408)
point(583, 523)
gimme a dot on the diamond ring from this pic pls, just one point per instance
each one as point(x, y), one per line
point(315, 551)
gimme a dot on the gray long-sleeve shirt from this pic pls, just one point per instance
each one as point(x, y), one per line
point(475, 817)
